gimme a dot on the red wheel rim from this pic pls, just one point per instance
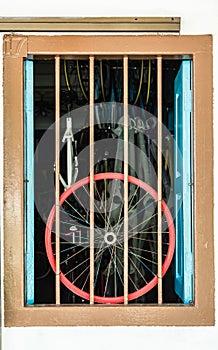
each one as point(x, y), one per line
point(138, 293)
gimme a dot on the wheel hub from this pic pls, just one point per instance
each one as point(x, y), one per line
point(110, 238)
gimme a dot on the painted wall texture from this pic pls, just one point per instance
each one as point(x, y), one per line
point(197, 17)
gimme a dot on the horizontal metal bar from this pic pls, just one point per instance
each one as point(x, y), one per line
point(142, 24)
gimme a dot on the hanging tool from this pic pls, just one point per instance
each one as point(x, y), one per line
point(72, 159)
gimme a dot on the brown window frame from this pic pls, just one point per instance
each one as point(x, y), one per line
point(16, 48)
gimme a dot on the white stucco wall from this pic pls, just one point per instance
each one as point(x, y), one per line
point(198, 17)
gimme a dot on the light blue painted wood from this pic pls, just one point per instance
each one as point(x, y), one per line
point(29, 179)
point(182, 180)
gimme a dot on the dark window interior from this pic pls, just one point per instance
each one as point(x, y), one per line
point(74, 94)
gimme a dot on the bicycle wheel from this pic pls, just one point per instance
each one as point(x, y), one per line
point(109, 238)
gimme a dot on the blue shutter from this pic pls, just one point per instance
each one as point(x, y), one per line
point(183, 184)
point(29, 180)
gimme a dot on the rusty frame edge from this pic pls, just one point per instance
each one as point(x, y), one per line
point(15, 45)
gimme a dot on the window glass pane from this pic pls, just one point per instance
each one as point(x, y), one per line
point(109, 181)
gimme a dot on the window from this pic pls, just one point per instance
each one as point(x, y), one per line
point(108, 180)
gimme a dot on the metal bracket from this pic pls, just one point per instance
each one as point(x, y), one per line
point(106, 24)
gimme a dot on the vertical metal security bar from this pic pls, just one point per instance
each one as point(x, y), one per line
point(91, 159)
point(125, 100)
point(57, 176)
point(29, 178)
point(159, 177)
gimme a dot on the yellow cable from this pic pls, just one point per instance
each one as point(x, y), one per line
point(80, 81)
point(140, 83)
point(66, 76)
point(149, 82)
point(102, 82)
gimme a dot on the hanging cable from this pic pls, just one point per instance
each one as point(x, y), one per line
point(80, 80)
point(66, 76)
point(102, 81)
point(149, 82)
point(140, 82)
